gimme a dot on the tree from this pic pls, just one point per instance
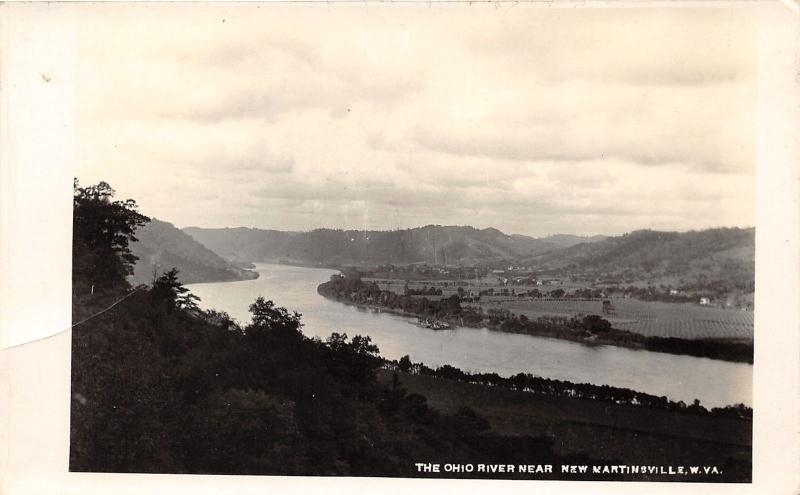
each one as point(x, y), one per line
point(404, 364)
point(168, 289)
point(238, 431)
point(267, 316)
point(356, 360)
point(359, 345)
point(363, 346)
point(595, 324)
point(101, 232)
point(451, 305)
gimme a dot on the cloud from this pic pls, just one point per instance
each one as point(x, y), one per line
point(687, 47)
point(545, 120)
point(708, 128)
point(274, 96)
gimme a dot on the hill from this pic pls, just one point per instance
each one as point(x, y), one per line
point(431, 244)
point(161, 386)
point(724, 256)
point(719, 261)
point(162, 245)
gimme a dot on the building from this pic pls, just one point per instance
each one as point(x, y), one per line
point(705, 301)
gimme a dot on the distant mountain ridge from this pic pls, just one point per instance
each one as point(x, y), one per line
point(721, 259)
point(430, 244)
point(164, 246)
point(712, 256)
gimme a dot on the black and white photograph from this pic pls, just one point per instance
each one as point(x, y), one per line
point(431, 244)
point(492, 241)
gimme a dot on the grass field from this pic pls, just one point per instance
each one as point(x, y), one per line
point(627, 433)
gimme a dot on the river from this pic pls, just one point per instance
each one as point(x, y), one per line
point(713, 382)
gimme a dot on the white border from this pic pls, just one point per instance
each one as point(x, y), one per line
point(35, 215)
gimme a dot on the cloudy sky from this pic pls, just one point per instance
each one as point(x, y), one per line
point(532, 120)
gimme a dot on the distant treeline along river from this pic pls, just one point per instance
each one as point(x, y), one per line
point(715, 383)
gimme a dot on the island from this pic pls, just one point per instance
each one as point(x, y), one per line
point(460, 310)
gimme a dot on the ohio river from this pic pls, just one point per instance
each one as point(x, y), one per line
point(713, 382)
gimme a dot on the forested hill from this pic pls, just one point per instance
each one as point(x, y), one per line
point(164, 246)
point(722, 259)
point(433, 244)
point(716, 256)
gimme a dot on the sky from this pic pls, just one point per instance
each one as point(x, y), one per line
point(532, 120)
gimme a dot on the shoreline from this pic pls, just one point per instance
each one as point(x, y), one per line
point(226, 281)
point(620, 338)
point(300, 264)
point(455, 322)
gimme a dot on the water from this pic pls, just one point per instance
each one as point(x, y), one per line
point(713, 382)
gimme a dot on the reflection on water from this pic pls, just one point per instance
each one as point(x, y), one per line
point(685, 378)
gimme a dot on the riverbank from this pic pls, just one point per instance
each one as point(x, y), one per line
point(591, 330)
point(237, 274)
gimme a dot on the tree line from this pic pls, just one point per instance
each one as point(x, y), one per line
point(564, 388)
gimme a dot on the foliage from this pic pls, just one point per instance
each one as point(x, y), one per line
point(404, 364)
point(102, 230)
point(595, 324)
point(267, 316)
point(168, 290)
point(712, 262)
point(585, 328)
point(564, 388)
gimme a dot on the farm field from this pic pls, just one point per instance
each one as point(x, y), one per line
point(649, 318)
point(652, 319)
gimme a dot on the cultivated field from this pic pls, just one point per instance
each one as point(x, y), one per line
point(687, 321)
point(658, 319)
